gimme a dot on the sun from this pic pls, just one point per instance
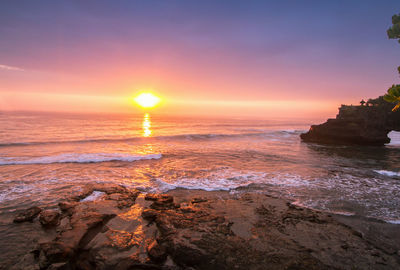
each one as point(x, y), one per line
point(147, 100)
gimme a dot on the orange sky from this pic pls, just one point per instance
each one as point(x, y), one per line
point(261, 60)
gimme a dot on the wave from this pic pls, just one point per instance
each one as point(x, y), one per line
point(387, 173)
point(206, 136)
point(80, 158)
point(393, 221)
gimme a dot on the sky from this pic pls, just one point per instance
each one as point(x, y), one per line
point(265, 59)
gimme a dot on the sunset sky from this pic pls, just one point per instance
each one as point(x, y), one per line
point(241, 58)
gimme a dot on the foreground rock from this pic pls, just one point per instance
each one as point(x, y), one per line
point(49, 218)
point(123, 229)
point(28, 215)
point(361, 125)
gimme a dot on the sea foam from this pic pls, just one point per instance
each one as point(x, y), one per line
point(387, 173)
point(79, 158)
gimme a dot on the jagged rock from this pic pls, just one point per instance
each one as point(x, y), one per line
point(361, 125)
point(108, 189)
point(161, 201)
point(28, 215)
point(59, 266)
point(49, 218)
point(252, 231)
point(157, 252)
point(27, 262)
point(149, 214)
point(162, 198)
point(198, 200)
point(54, 252)
point(124, 200)
point(67, 206)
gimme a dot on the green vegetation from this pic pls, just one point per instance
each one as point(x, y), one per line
point(393, 94)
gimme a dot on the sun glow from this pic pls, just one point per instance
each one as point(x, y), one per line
point(147, 100)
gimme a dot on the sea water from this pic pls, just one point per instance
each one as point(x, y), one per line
point(45, 158)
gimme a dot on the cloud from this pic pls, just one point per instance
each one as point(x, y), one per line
point(5, 67)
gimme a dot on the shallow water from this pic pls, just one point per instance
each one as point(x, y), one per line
point(46, 157)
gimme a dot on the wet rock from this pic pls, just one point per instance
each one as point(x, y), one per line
point(49, 218)
point(157, 252)
point(123, 200)
point(27, 262)
point(162, 198)
point(161, 201)
point(108, 189)
point(54, 252)
point(149, 214)
point(28, 215)
point(198, 200)
point(231, 233)
point(67, 206)
point(59, 266)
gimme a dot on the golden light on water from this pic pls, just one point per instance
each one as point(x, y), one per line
point(147, 100)
point(146, 125)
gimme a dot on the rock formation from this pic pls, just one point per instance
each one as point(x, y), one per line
point(361, 125)
point(124, 229)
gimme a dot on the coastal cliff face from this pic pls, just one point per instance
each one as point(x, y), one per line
point(362, 125)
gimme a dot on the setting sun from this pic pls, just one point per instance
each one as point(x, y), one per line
point(147, 100)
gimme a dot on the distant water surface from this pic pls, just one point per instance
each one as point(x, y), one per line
point(47, 157)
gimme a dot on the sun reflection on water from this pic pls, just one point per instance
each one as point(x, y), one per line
point(146, 125)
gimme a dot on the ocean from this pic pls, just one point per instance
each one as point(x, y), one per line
point(45, 158)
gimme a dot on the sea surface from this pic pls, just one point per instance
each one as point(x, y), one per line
point(45, 158)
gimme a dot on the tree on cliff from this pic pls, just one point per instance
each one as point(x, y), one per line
point(393, 94)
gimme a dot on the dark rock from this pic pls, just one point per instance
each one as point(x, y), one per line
point(49, 218)
point(220, 234)
point(108, 189)
point(149, 214)
point(123, 200)
point(157, 252)
point(161, 201)
point(28, 215)
point(198, 200)
point(162, 198)
point(59, 266)
point(67, 206)
point(360, 125)
point(54, 252)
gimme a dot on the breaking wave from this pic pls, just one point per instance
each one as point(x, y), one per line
point(79, 158)
point(387, 173)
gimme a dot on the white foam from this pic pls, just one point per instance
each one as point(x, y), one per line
point(79, 158)
point(394, 138)
point(94, 196)
point(206, 183)
point(387, 173)
point(393, 221)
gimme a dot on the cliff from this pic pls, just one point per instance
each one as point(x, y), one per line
point(361, 125)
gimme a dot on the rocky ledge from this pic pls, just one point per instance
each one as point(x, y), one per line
point(112, 227)
point(360, 125)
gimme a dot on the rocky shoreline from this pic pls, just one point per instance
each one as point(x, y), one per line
point(113, 227)
point(357, 125)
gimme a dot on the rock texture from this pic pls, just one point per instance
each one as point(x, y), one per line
point(359, 125)
point(28, 215)
point(200, 230)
